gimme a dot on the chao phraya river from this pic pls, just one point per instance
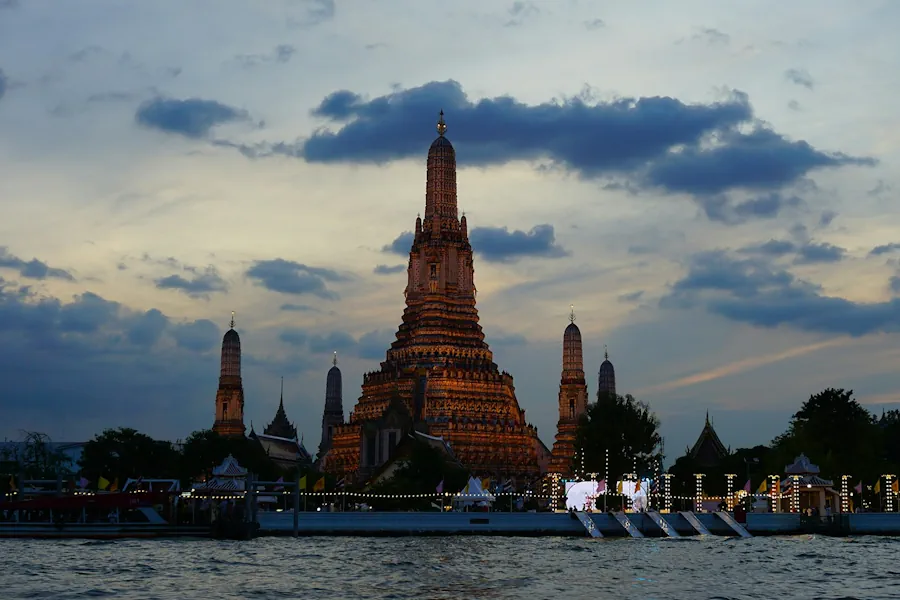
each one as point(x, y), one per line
point(453, 567)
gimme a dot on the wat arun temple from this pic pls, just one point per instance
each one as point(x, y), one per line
point(439, 380)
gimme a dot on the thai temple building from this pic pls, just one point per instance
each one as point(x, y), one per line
point(334, 407)
point(606, 378)
point(572, 400)
point(438, 376)
point(708, 450)
point(279, 440)
point(230, 395)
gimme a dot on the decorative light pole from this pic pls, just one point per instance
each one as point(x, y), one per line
point(795, 493)
point(845, 493)
point(774, 491)
point(889, 493)
point(667, 492)
point(729, 498)
point(698, 499)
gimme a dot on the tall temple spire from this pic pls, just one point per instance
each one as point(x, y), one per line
point(438, 376)
point(572, 399)
point(281, 426)
point(606, 377)
point(334, 407)
point(230, 395)
point(441, 125)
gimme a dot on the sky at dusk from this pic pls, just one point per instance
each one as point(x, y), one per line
point(712, 185)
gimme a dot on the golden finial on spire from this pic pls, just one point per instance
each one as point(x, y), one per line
point(441, 126)
point(605, 352)
point(571, 313)
point(232, 319)
point(334, 360)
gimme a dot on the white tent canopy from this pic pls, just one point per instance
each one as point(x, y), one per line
point(473, 493)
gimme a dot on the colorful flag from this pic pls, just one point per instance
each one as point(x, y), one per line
point(747, 487)
point(619, 487)
point(279, 487)
point(319, 485)
point(83, 483)
point(763, 487)
point(637, 486)
point(115, 486)
point(302, 483)
point(858, 488)
point(601, 486)
point(895, 487)
point(486, 483)
point(440, 487)
point(878, 486)
point(102, 483)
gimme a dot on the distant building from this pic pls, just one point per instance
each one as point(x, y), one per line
point(572, 400)
point(334, 407)
point(438, 376)
point(606, 378)
point(279, 440)
point(280, 426)
point(230, 395)
point(708, 450)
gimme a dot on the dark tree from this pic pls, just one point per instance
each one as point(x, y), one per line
point(890, 432)
point(627, 429)
point(421, 469)
point(35, 457)
point(123, 453)
point(204, 450)
point(836, 433)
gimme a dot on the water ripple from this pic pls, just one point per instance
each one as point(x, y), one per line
point(469, 567)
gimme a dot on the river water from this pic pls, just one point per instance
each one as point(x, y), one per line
point(466, 567)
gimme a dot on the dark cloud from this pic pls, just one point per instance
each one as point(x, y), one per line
point(198, 284)
point(826, 218)
point(519, 11)
point(192, 118)
point(772, 248)
point(32, 269)
point(721, 208)
point(401, 245)
point(758, 160)
point(72, 368)
point(712, 37)
point(146, 329)
point(594, 24)
point(756, 292)
point(299, 307)
point(293, 337)
point(388, 270)
point(498, 244)
point(894, 284)
point(336, 341)
point(632, 297)
point(658, 142)
point(800, 77)
point(374, 344)
point(820, 253)
point(884, 249)
point(282, 53)
point(794, 105)
point(314, 12)
point(200, 335)
point(880, 188)
point(289, 277)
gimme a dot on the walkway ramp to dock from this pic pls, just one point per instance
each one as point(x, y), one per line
point(625, 522)
point(662, 524)
point(589, 524)
point(695, 523)
point(729, 520)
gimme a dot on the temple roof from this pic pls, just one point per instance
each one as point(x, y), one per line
point(280, 426)
point(708, 448)
point(801, 466)
point(230, 468)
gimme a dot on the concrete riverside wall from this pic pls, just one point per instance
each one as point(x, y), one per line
point(553, 524)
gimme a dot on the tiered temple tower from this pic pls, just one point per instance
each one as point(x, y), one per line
point(280, 425)
point(572, 400)
point(334, 407)
point(230, 396)
point(606, 378)
point(438, 375)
